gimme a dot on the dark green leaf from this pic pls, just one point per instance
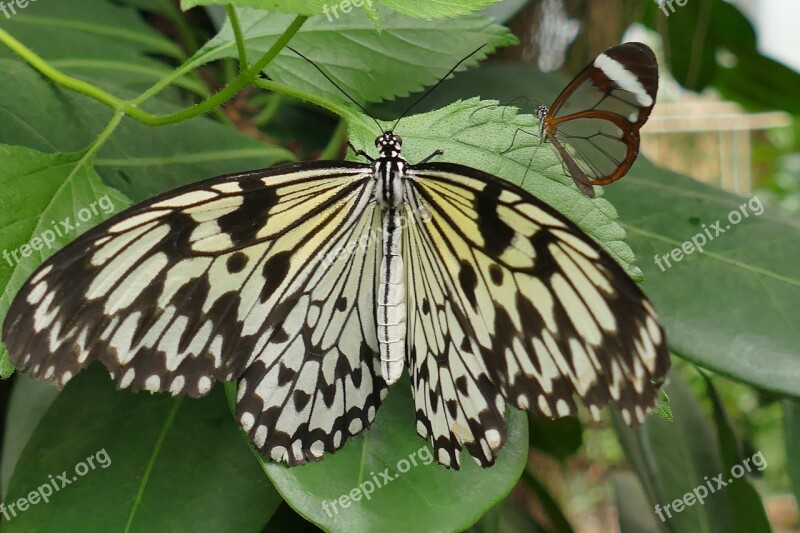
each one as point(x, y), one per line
point(750, 513)
point(633, 507)
point(559, 438)
point(679, 464)
point(160, 464)
point(426, 497)
point(45, 201)
point(404, 57)
point(791, 429)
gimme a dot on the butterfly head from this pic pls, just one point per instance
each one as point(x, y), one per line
point(389, 144)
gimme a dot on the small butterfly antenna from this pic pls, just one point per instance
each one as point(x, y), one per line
point(327, 77)
point(429, 91)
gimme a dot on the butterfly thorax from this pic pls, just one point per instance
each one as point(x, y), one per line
point(388, 170)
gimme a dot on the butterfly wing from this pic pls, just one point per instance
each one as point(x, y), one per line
point(512, 302)
point(238, 277)
point(594, 123)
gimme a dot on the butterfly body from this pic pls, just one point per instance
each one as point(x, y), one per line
point(389, 169)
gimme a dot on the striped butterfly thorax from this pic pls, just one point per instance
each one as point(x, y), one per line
point(594, 123)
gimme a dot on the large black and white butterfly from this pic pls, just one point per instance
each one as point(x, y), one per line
point(312, 284)
point(594, 122)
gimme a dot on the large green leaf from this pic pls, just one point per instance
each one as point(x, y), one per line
point(29, 401)
point(139, 159)
point(46, 200)
point(95, 40)
point(335, 9)
point(386, 479)
point(170, 464)
point(680, 463)
point(728, 308)
point(404, 57)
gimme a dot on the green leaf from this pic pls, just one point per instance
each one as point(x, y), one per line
point(298, 7)
point(46, 200)
point(422, 494)
point(29, 401)
point(750, 513)
point(728, 308)
point(140, 160)
point(475, 133)
point(170, 464)
point(677, 464)
point(404, 57)
point(633, 507)
point(335, 9)
point(96, 41)
point(791, 430)
point(435, 9)
point(558, 438)
point(663, 409)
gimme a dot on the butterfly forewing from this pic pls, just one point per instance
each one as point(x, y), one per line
point(513, 302)
point(594, 123)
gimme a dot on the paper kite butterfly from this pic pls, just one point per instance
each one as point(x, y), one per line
point(313, 284)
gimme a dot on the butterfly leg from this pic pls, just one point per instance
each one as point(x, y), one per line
point(434, 154)
point(514, 139)
point(361, 153)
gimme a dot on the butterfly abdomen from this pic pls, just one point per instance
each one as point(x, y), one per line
point(391, 307)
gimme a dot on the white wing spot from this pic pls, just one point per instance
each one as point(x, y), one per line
point(247, 420)
point(260, 436)
point(617, 72)
point(177, 385)
point(153, 383)
point(204, 384)
point(127, 379)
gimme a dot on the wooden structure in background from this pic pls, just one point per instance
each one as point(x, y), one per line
point(707, 139)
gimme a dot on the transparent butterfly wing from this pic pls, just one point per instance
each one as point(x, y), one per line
point(594, 123)
point(225, 279)
point(522, 306)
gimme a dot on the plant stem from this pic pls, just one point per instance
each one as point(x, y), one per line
point(129, 108)
point(343, 110)
point(237, 33)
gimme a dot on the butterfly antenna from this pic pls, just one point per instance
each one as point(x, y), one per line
point(327, 77)
point(429, 91)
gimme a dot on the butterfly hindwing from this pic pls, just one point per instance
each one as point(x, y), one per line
point(522, 305)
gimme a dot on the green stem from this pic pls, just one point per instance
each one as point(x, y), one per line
point(337, 108)
point(129, 108)
point(237, 33)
